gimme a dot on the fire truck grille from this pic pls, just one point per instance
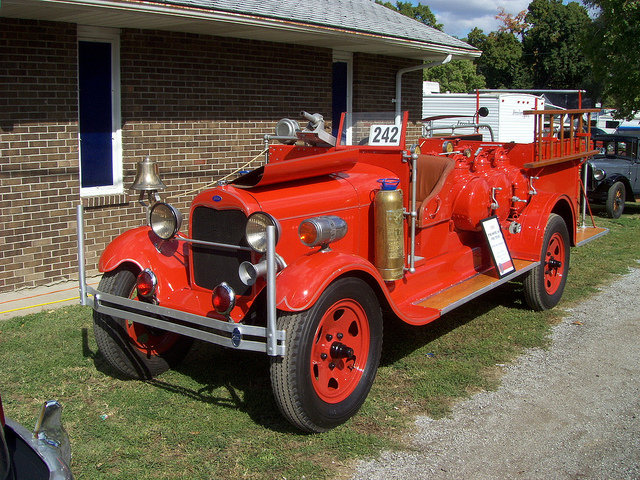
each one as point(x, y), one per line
point(212, 266)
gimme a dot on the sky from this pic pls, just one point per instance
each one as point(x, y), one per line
point(461, 16)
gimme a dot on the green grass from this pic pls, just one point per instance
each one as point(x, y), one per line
point(215, 417)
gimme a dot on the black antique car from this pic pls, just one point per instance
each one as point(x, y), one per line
point(613, 176)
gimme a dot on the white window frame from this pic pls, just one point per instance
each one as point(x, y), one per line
point(112, 36)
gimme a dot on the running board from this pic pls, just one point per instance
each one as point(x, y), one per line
point(586, 234)
point(479, 284)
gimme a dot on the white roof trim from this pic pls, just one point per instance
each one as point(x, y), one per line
point(136, 14)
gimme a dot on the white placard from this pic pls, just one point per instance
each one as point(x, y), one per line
point(384, 135)
point(499, 250)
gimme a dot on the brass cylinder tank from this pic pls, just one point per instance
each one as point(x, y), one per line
point(389, 234)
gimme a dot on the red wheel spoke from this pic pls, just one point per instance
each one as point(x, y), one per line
point(554, 270)
point(344, 327)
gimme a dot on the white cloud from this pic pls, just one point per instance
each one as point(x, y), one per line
point(459, 17)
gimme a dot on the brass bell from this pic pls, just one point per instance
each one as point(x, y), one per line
point(147, 177)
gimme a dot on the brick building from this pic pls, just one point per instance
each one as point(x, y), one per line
point(89, 88)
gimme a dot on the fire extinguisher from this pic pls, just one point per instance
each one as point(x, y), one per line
point(389, 235)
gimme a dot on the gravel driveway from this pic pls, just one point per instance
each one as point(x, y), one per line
point(568, 412)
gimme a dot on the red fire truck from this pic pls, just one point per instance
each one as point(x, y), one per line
point(300, 257)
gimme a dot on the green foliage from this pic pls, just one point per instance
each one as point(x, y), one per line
point(612, 43)
point(551, 44)
point(457, 76)
point(421, 13)
point(536, 50)
point(501, 62)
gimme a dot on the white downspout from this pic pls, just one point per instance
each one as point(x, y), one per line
point(401, 72)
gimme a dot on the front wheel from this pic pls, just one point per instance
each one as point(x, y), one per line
point(135, 350)
point(333, 352)
point(615, 200)
point(543, 286)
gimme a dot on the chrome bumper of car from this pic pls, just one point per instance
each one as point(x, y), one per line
point(227, 334)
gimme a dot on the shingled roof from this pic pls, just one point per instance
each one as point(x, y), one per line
point(349, 25)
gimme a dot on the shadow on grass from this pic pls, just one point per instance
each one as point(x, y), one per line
point(239, 380)
point(402, 339)
point(243, 376)
point(630, 208)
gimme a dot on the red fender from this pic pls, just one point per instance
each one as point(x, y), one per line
point(138, 247)
point(318, 270)
point(537, 222)
point(120, 249)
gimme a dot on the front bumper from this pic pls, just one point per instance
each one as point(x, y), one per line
point(225, 333)
point(598, 196)
point(219, 332)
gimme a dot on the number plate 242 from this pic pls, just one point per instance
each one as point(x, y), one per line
point(384, 135)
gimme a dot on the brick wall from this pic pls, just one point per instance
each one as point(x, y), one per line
point(374, 87)
point(38, 152)
point(199, 105)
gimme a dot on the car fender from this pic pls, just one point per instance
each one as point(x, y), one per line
point(613, 179)
point(529, 241)
point(302, 282)
point(141, 247)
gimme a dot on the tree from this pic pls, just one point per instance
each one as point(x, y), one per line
point(612, 43)
point(551, 44)
point(421, 13)
point(458, 76)
point(513, 24)
point(501, 62)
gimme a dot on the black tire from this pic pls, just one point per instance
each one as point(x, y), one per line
point(544, 285)
point(615, 200)
point(317, 384)
point(151, 352)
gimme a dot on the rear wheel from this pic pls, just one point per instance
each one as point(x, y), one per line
point(332, 356)
point(543, 286)
point(615, 200)
point(134, 349)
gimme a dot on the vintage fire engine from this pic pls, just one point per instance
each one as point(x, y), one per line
point(300, 257)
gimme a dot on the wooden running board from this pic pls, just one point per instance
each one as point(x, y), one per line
point(586, 234)
point(477, 285)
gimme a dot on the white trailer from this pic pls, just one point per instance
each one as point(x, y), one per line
point(607, 122)
point(505, 118)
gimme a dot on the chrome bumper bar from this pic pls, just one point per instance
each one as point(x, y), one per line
point(267, 339)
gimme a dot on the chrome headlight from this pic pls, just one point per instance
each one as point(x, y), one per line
point(256, 230)
point(599, 174)
point(165, 220)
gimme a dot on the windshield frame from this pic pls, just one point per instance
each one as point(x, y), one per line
point(356, 129)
